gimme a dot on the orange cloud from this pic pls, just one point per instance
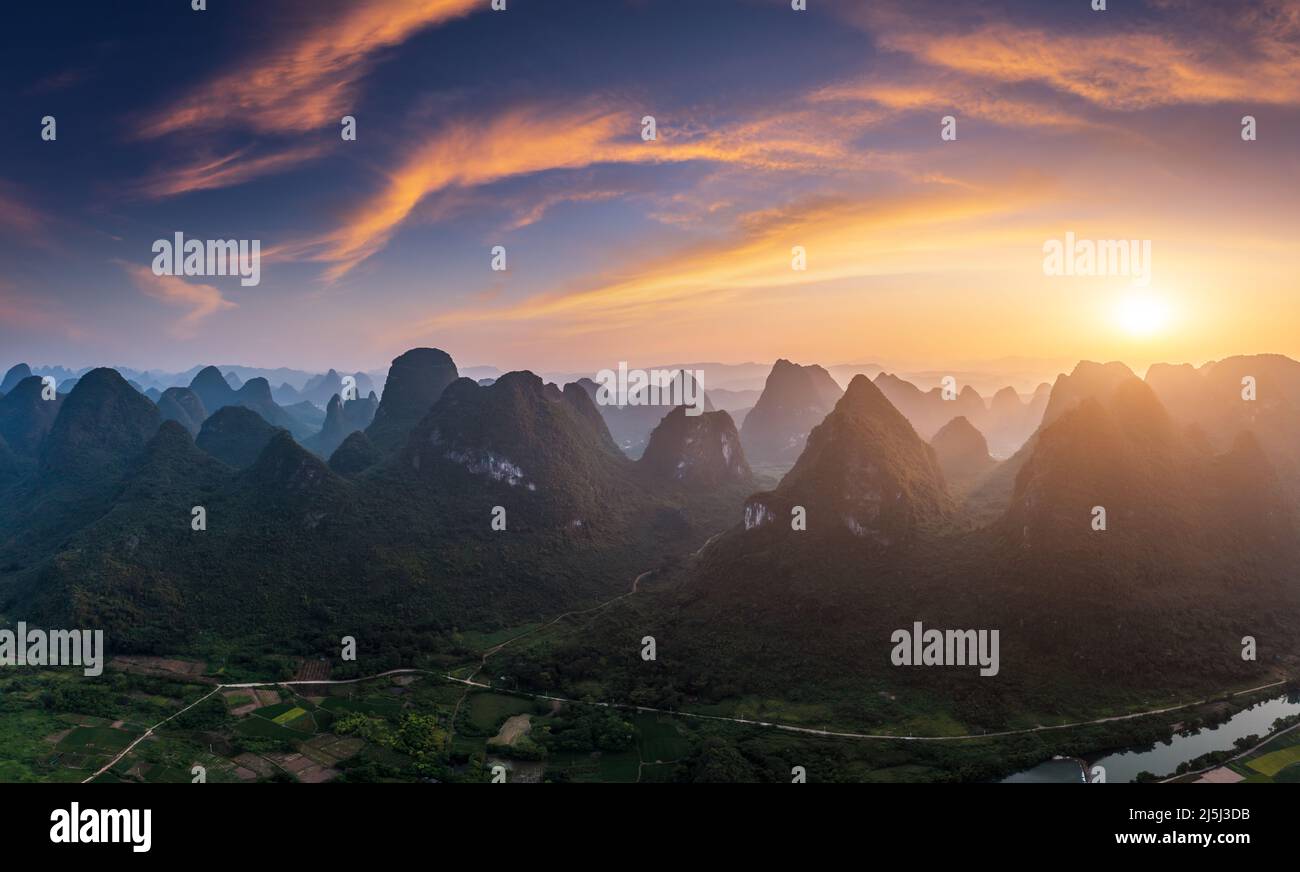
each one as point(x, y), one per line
point(312, 80)
point(201, 300)
point(36, 314)
point(20, 219)
point(534, 212)
point(844, 239)
point(951, 94)
point(469, 153)
point(1127, 71)
point(224, 171)
point(1211, 54)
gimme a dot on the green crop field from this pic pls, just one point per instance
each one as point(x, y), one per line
point(1272, 763)
point(488, 710)
point(284, 718)
point(599, 766)
point(262, 728)
point(102, 740)
point(661, 738)
point(271, 712)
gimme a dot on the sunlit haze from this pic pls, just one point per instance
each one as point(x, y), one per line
point(921, 252)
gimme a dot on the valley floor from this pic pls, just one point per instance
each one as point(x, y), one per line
point(157, 719)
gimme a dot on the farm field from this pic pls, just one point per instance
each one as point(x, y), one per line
point(1277, 761)
point(61, 728)
point(404, 728)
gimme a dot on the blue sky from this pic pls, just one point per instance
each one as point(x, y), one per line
point(521, 128)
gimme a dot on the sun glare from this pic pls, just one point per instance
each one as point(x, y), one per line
point(1142, 315)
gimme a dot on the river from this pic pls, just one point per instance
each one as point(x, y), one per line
point(1163, 758)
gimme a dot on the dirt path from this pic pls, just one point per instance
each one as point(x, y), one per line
point(146, 734)
point(482, 664)
point(471, 684)
point(514, 727)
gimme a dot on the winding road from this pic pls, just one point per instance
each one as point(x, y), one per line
point(471, 684)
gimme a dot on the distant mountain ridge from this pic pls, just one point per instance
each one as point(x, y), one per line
point(698, 450)
point(1197, 549)
point(100, 534)
point(415, 382)
point(214, 392)
point(341, 420)
point(795, 399)
point(865, 471)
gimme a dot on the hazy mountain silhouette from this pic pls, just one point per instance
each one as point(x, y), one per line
point(523, 436)
point(416, 380)
point(990, 496)
point(341, 420)
point(25, 418)
point(865, 472)
point(697, 450)
point(401, 544)
point(286, 395)
point(15, 374)
point(213, 391)
point(1006, 421)
point(293, 545)
point(1198, 550)
point(794, 400)
point(1213, 399)
point(101, 425)
point(320, 388)
point(183, 406)
point(962, 452)
point(928, 410)
point(309, 415)
point(1010, 421)
point(630, 425)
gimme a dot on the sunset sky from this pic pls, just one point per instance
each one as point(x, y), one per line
point(521, 128)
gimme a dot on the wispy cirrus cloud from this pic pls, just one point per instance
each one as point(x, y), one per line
point(1208, 54)
point(973, 70)
point(312, 78)
point(58, 81)
point(1122, 72)
point(845, 238)
point(23, 312)
point(949, 93)
point(469, 153)
point(201, 301)
point(224, 171)
point(20, 219)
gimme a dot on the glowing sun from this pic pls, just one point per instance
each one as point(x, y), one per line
point(1142, 315)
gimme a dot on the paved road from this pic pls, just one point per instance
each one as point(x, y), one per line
point(470, 683)
point(810, 731)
